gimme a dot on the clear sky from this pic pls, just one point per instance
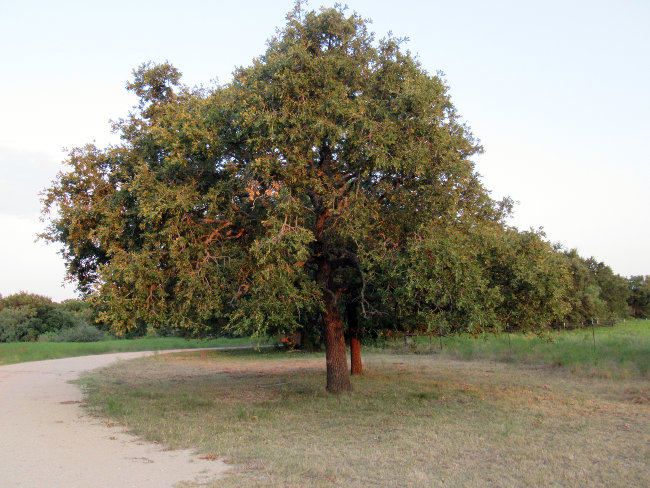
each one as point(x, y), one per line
point(557, 91)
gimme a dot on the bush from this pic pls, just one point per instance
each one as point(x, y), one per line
point(78, 333)
point(81, 309)
point(56, 319)
point(19, 324)
point(25, 317)
point(48, 337)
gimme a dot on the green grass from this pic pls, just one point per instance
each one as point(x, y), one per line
point(413, 420)
point(622, 350)
point(18, 352)
point(492, 411)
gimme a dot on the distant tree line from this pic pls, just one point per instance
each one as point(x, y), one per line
point(595, 292)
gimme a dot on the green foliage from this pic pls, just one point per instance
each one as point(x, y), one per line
point(531, 278)
point(23, 316)
point(57, 318)
point(332, 173)
point(82, 309)
point(27, 317)
point(486, 278)
point(18, 324)
point(78, 333)
point(614, 289)
point(639, 299)
point(154, 83)
point(450, 282)
point(24, 299)
point(595, 291)
point(247, 205)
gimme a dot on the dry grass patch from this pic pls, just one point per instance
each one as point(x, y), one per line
point(412, 420)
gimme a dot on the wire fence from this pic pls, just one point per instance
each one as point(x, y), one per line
point(508, 329)
point(611, 322)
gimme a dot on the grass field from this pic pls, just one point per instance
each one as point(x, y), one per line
point(623, 350)
point(18, 352)
point(426, 419)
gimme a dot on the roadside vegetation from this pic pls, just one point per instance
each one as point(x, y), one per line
point(33, 328)
point(20, 352)
point(414, 419)
point(26, 317)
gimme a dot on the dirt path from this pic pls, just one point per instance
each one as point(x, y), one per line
point(47, 440)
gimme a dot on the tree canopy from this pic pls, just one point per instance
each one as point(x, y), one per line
point(331, 174)
point(639, 298)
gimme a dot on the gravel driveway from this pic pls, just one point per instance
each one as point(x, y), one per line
point(48, 440)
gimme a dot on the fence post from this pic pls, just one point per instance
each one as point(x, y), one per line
point(593, 332)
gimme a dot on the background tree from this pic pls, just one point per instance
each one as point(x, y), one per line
point(595, 292)
point(28, 317)
point(614, 289)
point(486, 278)
point(639, 298)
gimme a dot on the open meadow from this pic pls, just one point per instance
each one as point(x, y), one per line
point(456, 418)
point(619, 351)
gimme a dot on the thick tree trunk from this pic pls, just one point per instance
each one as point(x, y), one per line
point(338, 377)
point(355, 343)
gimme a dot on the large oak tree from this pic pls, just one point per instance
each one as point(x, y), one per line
point(332, 174)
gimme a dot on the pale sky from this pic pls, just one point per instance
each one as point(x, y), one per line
point(557, 91)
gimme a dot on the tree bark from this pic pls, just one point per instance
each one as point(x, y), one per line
point(336, 358)
point(355, 343)
point(338, 377)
